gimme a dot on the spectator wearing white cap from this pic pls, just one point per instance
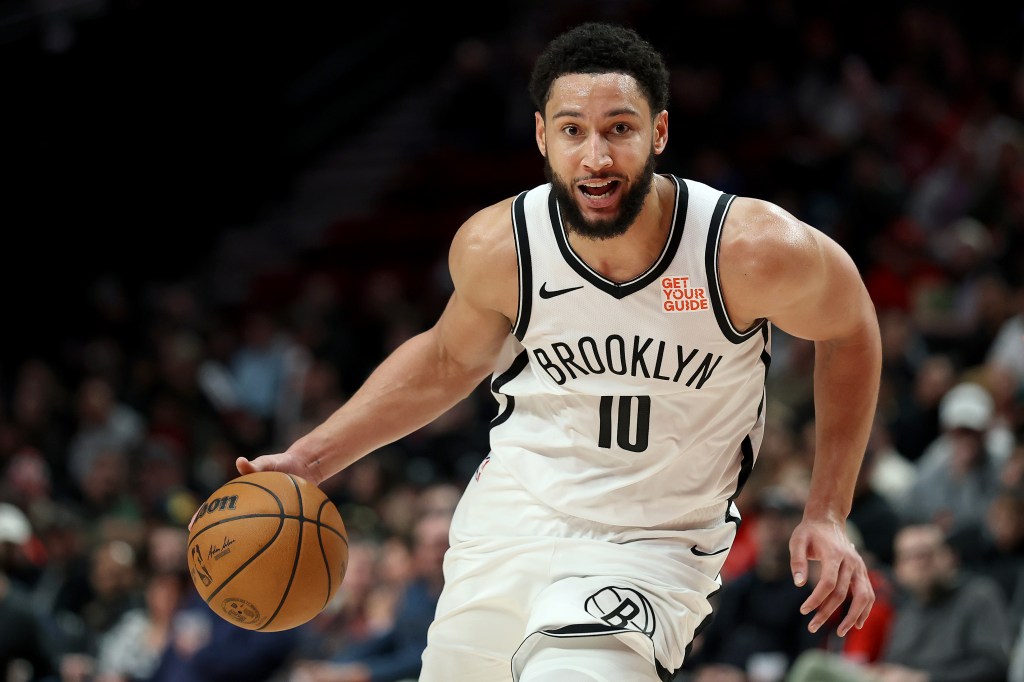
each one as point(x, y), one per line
point(958, 475)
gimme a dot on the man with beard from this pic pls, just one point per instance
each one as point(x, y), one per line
point(624, 318)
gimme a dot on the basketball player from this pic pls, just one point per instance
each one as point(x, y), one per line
point(624, 318)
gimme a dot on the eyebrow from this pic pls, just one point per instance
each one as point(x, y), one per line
point(625, 111)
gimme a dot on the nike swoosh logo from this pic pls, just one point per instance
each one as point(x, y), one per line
point(547, 293)
point(700, 553)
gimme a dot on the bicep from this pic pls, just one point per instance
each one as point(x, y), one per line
point(469, 337)
point(483, 265)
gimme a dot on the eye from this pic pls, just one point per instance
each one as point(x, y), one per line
point(571, 130)
point(621, 128)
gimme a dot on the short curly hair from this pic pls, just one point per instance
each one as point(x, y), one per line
point(598, 47)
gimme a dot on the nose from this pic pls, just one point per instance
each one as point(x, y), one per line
point(597, 155)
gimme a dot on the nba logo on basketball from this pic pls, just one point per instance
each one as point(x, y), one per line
point(622, 607)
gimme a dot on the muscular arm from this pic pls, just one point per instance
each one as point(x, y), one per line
point(429, 373)
point(776, 267)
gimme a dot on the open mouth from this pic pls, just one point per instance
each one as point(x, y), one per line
point(599, 193)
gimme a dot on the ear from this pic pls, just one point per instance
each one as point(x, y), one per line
point(660, 132)
point(538, 122)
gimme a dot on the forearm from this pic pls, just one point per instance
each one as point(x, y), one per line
point(413, 386)
point(847, 373)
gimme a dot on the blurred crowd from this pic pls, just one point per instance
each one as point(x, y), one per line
point(900, 136)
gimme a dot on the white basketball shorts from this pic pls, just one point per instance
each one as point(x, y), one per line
point(518, 570)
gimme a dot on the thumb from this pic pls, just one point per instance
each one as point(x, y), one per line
point(193, 519)
point(245, 466)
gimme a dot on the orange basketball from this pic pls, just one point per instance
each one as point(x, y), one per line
point(267, 551)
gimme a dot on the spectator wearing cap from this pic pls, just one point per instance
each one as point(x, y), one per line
point(958, 476)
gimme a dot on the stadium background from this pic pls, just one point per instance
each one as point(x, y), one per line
point(200, 193)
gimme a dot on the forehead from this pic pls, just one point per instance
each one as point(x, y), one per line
point(596, 94)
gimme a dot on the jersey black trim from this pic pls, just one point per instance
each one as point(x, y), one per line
point(747, 446)
point(622, 289)
point(517, 366)
point(766, 357)
point(594, 630)
point(525, 266)
point(714, 281)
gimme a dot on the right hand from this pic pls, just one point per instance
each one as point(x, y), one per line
point(284, 462)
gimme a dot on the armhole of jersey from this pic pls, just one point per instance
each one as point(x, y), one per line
point(714, 280)
point(525, 267)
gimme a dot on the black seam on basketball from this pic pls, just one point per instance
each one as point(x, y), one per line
point(286, 517)
point(323, 551)
point(261, 487)
point(295, 562)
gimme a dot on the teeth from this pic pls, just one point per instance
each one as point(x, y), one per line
point(597, 184)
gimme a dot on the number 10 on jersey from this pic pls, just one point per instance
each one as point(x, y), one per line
point(617, 417)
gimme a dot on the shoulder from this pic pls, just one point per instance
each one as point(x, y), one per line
point(484, 241)
point(764, 255)
point(773, 265)
point(486, 232)
point(762, 239)
point(482, 258)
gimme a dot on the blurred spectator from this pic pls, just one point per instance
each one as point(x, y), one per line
point(353, 615)
point(903, 352)
point(958, 474)
point(39, 404)
point(395, 654)
point(914, 420)
point(115, 582)
point(167, 546)
point(757, 620)
point(104, 425)
point(61, 589)
point(161, 483)
point(130, 651)
point(27, 481)
point(874, 516)
point(25, 650)
point(900, 269)
point(994, 546)
point(950, 626)
point(1006, 354)
point(889, 473)
point(105, 488)
point(203, 647)
point(258, 387)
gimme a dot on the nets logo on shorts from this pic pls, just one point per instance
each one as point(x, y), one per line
point(622, 607)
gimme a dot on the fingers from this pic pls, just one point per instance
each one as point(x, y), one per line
point(831, 592)
point(841, 581)
point(193, 520)
point(860, 605)
point(798, 561)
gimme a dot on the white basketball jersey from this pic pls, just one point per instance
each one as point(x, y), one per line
point(628, 403)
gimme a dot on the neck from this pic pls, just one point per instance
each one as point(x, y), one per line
point(625, 257)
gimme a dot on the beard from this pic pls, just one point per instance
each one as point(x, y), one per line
point(604, 228)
